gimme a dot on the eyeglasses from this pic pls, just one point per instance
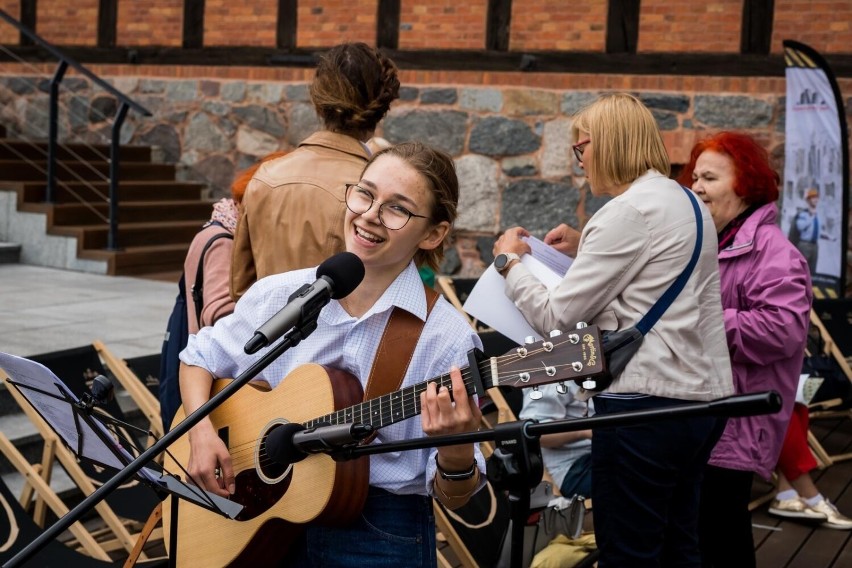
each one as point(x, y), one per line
point(579, 148)
point(392, 215)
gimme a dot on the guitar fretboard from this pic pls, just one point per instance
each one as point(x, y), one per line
point(391, 408)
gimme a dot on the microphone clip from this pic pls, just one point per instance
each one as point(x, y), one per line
point(100, 393)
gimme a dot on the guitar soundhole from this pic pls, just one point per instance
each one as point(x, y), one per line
point(256, 495)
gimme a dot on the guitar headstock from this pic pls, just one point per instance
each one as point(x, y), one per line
point(571, 356)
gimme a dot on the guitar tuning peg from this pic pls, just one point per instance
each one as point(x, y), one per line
point(536, 394)
point(555, 333)
point(573, 338)
point(561, 388)
point(577, 366)
point(590, 384)
point(581, 325)
point(529, 340)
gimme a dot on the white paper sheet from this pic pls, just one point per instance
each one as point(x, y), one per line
point(549, 256)
point(488, 303)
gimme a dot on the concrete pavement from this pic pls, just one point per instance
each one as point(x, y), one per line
point(48, 309)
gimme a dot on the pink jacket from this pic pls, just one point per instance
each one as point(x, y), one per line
point(766, 297)
point(217, 269)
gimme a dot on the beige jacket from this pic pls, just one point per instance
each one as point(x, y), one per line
point(630, 252)
point(293, 209)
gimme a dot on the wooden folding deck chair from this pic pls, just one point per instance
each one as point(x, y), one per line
point(17, 529)
point(141, 395)
point(827, 409)
point(125, 510)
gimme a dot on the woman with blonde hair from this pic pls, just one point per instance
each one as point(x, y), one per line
point(646, 477)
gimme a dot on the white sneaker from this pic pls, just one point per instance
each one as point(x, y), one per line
point(796, 508)
point(833, 518)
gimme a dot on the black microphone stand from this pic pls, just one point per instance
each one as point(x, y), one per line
point(519, 453)
point(290, 339)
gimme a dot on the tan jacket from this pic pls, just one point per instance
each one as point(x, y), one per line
point(630, 252)
point(293, 209)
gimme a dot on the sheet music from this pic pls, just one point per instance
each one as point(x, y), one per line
point(58, 412)
point(549, 256)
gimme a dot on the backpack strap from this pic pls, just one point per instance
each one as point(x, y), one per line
point(197, 290)
point(396, 349)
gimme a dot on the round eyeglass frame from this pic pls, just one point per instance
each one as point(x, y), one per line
point(349, 187)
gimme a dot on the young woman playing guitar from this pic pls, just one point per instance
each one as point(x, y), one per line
point(397, 218)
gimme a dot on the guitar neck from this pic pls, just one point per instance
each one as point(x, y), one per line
point(573, 356)
point(396, 406)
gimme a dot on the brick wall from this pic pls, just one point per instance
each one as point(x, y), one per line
point(68, 23)
point(691, 26)
point(445, 24)
point(323, 23)
point(825, 26)
point(713, 26)
point(569, 26)
point(9, 34)
point(150, 22)
point(240, 23)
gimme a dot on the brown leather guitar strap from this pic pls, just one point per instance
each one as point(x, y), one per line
point(396, 349)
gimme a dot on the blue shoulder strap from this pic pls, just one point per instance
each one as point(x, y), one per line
point(658, 309)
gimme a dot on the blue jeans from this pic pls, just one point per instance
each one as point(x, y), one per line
point(647, 481)
point(578, 480)
point(393, 531)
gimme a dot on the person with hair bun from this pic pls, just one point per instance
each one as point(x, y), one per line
point(293, 209)
point(766, 298)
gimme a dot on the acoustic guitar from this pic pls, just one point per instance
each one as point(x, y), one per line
point(280, 499)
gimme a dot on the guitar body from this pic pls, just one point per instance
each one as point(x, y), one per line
point(316, 489)
point(278, 501)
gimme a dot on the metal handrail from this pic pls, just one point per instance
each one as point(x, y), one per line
point(126, 104)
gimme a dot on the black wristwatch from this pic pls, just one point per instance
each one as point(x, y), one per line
point(502, 260)
point(456, 475)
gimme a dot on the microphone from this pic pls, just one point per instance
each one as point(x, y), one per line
point(337, 277)
point(290, 443)
point(100, 393)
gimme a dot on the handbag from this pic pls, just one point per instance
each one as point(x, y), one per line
point(620, 346)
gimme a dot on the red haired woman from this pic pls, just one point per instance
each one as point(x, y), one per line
point(766, 298)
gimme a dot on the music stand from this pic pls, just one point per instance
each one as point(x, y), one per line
point(72, 420)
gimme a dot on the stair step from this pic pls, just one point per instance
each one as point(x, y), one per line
point(10, 253)
point(16, 149)
point(131, 212)
point(128, 190)
point(18, 170)
point(131, 234)
point(142, 259)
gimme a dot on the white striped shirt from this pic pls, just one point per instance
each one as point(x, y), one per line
point(347, 343)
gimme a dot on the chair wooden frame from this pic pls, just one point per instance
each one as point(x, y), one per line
point(143, 398)
point(823, 409)
point(444, 285)
point(38, 487)
point(36, 483)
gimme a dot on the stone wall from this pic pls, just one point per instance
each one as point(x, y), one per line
point(511, 144)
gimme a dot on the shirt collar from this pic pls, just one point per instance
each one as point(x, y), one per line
point(405, 292)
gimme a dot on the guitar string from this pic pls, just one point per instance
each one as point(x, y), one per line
point(241, 451)
point(408, 408)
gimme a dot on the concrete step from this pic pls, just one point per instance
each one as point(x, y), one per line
point(10, 253)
